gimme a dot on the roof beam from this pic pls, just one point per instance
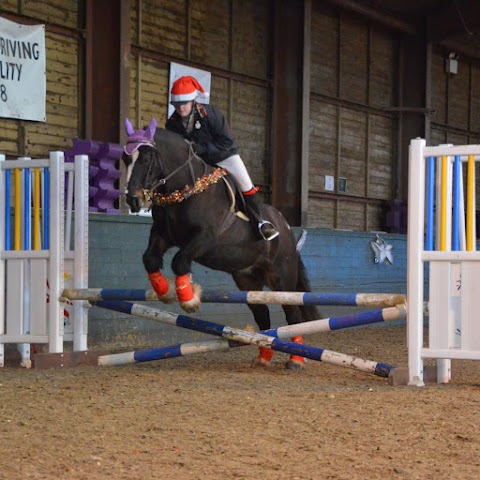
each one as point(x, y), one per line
point(460, 16)
point(376, 15)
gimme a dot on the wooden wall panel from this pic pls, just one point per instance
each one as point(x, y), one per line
point(220, 96)
point(154, 92)
point(350, 215)
point(475, 100)
point(375, 217)
point(163, 26)
point(381, 69)
point(353, 86)
point(322, 212)
point(134, 89)
point(63, 99)
point(251, 126)
point(64, 110)
point(323, 144)
point(437, 136)
point(10, 5)
point(324, 51)
point(210, 35)
point(64, 107)
point(9, 133)
point(61, 12)
point(353, 60)
point(353, 150)
point(458, 98)
point(380, 158)
point(439, 89)
point(251, 40)
point(456, 138)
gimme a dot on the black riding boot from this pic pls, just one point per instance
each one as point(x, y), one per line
point(264, 228)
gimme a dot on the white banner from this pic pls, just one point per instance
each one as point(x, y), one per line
point(22, 71)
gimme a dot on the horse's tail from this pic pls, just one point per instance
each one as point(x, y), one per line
point(309, 312)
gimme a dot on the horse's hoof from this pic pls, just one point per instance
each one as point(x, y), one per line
point(26, 363)
point(190, 307)
point(170, 296)
point(260, 363)
point(193, 305)
point(294, 365)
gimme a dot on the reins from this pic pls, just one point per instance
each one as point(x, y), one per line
point(162, 181)
point(198, 185)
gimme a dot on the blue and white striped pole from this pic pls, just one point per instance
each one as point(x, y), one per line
point(252, 297)
point(316, 326)
point(164, 353)
point(338, 323)
point(247, 338)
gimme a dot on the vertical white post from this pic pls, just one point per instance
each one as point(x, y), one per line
point(80, 268)
point(2, 263)
point(441, 331)
point(24, 348)
point(57, 249)
point(470, 304)
point(441, 310)
point(415, 275)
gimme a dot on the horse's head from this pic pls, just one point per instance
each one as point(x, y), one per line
point(143, 164)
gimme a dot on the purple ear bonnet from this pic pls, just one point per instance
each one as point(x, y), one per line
point(137, 138)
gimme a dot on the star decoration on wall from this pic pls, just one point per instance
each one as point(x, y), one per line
point(382, 250)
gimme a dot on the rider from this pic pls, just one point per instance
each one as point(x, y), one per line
point(213, 141)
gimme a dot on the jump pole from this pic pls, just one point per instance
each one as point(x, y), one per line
point(316, 326)
point(251, 297)
point(248, 338)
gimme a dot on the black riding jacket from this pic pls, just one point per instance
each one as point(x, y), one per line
point(212, 138)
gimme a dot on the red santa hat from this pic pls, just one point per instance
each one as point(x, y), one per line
point(185, 89)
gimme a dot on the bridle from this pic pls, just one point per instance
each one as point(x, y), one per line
point(149, 192)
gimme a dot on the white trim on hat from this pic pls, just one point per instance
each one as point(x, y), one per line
point(184, 97)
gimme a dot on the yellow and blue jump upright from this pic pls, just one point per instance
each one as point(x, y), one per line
point(442, 235)
point(36, 252)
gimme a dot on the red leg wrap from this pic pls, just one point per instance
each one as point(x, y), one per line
point(297, 358)
point(265, 354)
point(159, 283)
point(184, 288)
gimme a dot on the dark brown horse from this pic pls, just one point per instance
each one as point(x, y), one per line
point(192, 210)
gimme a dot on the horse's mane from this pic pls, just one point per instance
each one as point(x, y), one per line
point(166, 138)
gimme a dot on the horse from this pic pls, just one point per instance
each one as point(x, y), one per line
point(191, 204)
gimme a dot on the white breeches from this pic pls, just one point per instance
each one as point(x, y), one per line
point(236, 168)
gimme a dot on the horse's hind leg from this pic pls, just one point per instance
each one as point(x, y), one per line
point(293, 313)
point(255, 281)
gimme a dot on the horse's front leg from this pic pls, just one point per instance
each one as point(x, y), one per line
point(188, 294)
point(153, 263)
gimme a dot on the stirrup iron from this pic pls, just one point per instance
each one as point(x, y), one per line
point(275, 234)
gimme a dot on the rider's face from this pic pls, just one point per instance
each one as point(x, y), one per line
point(184, 109)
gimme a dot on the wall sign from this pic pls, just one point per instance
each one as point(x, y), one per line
point(22, 71)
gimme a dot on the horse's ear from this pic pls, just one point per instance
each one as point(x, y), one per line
point(151, 129)
point(129, 127)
